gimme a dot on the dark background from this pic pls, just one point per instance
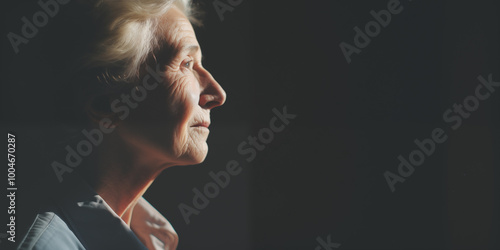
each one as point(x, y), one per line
point(323, 175)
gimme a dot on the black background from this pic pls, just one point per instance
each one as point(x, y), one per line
point(323, 175)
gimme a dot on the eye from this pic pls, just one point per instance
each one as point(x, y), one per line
point(187, 63)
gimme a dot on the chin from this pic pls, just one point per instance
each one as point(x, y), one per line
point(196, 157)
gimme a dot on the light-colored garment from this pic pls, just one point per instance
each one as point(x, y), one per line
point(80, 219)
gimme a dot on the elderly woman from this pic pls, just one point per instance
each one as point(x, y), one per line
point(144, 88)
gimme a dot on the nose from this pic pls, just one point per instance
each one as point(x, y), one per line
point(212, 94)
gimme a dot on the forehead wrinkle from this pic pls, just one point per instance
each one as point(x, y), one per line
point(178, 34)
point(187, 45)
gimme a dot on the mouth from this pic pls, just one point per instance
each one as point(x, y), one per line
point(203, 124)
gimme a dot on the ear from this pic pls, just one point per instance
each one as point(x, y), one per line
point(98, 107)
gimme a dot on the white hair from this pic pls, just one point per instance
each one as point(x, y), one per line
point(129, 33)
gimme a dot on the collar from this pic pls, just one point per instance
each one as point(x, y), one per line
point(97, 226)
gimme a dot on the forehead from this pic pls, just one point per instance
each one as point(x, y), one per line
point(177, 31)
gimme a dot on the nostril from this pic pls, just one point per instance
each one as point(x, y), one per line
point(212, 104)
point(212, 97)
point(210, 101)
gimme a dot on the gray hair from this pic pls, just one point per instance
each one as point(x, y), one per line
point(129, 31)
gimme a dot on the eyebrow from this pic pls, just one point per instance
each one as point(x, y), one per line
point(190, 48)
point(169, 53)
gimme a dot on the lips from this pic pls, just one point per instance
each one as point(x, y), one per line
point(204, 124)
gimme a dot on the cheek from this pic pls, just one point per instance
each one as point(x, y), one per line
point(183, 99)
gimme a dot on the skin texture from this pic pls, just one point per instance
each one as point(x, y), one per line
point(168, 128)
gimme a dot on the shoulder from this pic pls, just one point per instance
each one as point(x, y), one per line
point(49, 231)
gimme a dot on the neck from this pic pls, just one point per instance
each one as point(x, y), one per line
point(122, 173)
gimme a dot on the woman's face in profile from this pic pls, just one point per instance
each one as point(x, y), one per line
point(171, 124)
